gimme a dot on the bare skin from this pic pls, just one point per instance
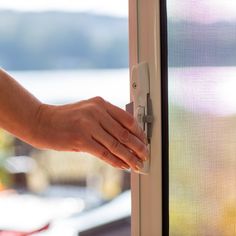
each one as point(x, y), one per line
point(94, 126)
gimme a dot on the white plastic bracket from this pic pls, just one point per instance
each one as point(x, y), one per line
point(142, 106)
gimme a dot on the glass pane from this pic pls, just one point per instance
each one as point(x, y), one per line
point(202, 117)
point(63, 52)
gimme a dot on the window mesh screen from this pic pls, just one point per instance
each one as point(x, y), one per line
point(202, 117)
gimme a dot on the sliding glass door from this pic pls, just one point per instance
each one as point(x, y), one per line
point(190, 189)
point(202, 117)
point(145, 49)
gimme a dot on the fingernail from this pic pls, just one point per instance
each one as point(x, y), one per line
point(124, 167)
point(139, 165)
point(145, 158)
point(146, 154)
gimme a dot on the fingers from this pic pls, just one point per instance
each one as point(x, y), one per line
point(118, 149)
point(126, 138)
point(126, 120)
point(113, 135)
point(104, 154)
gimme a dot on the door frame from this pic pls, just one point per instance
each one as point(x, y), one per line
point(148, 43)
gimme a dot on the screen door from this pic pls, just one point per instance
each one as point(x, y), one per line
point(202, 117)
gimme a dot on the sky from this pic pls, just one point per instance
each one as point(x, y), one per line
point(109, 7)
point(204, 11)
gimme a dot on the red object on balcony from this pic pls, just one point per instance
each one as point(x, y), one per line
point(15, 233)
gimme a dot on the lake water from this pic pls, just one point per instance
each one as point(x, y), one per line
point(58, 87)
point(208, 89)
point(204, 89)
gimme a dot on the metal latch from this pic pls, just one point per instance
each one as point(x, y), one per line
point(141, 105)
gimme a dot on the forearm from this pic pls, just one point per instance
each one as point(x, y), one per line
point(18, 108)
point(93, 126)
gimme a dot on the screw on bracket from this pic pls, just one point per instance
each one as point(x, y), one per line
point(148, 119)
point(134, 85)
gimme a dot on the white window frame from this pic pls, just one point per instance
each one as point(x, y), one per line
point(145, 46)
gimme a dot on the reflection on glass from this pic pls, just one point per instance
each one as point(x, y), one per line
point(202, 117)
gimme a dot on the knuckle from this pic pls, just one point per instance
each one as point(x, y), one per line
point(133, 160)
point(82, 121)
point(129, 159)
point(141, 148)
point(113, 161)
point(132, 123)
point(115, 145)
point(104, 154)
point(99, 100)
point(125, 136)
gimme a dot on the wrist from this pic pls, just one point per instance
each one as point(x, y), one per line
point(41, 131)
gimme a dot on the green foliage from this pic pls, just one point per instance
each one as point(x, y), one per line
point(6, 149)
point(6, 144)
point(5, 178)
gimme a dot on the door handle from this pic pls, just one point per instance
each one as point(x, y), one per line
point(141, 105)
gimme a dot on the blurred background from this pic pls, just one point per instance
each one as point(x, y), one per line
point(202, 117)
point(63, 51)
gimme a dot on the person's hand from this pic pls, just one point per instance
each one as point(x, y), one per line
point(94, 126)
